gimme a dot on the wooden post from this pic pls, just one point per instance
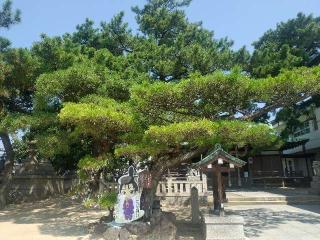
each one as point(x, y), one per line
point(238, 170)
point(229, 178)
point(284, 167)
point(217, 188)
point(250, 171)
point(239, 177)
point(220, 196)
point(306, 159)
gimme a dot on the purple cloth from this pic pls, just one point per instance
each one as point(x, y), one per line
point(128, 209)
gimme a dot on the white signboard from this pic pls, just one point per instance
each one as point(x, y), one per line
point(128, 205)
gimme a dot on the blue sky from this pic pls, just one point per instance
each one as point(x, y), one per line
point(243, 21)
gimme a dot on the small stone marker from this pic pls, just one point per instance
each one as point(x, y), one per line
point(195, 212)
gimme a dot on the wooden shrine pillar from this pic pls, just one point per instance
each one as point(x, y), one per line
point(229, 179)
point(217, 188)
point(239, 177)
point(238, 170)
point(217, 162)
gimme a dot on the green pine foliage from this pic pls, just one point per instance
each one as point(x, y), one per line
point(9, 17)
point(93, 99)
point(291, 44)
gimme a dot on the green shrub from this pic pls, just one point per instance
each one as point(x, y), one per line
point(107, 200)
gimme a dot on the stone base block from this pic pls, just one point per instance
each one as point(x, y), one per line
point(223, 228)
point(315, 185)
point(315, 188)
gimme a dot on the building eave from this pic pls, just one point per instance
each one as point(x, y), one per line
point(217, 153)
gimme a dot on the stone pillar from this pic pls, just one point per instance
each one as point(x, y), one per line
point(316, 168)
point(204, 183)
point(158, 189)
point(175, 188)
point(195, 212)
point(169, 182)
point(187, 187)
point(315, 184)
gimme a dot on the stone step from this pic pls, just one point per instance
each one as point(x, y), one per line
point(235, 203)
point(288, 200)
point(239, 199)
point(276, 198)
point(271, 203)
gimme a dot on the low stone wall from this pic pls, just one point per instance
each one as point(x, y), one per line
point(37, 187)
point(178, 192)
point(171, 191)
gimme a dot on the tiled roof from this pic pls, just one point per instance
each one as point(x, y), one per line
point(215, 154)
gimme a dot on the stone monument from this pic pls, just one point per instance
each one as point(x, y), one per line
point(195, 211)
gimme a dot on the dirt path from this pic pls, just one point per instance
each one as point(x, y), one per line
point(59, 218)
point(64, 219)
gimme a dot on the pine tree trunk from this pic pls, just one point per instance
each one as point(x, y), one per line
point(157, 171)
point(7, 173)
point(150, 194)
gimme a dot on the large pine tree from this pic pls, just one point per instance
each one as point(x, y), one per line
point(103, 96)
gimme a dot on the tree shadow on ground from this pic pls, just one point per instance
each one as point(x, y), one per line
point(188, 231)
point(310, 207)
point(57, 217)
point(260, 219)
point(185, 229)
point(257, 220)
